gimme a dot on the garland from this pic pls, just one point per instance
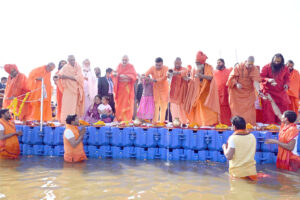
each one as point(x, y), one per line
point(14, 104)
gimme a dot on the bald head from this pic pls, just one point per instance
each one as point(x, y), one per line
point(178, 63)
point(50, 67)
point(125, 60)
point(250, 62)
point(71, 60)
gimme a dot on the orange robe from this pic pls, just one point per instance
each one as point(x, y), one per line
point(294, 91)
point(72, 154)
point(36, 85)
point(285, 158)
point(202, 100)
point(242, 101)
point(160, 92)
point(72, 92)
point(176, 93)
point(124, 93)
point(15, 87)
point(58, 100)
point(9, 148)
point(221, 77)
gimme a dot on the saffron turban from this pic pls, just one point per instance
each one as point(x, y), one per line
point(201, 57)
point(9, 67)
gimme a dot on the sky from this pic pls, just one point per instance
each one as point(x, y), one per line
point(35, 32)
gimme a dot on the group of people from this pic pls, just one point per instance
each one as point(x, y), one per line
point(199, 95)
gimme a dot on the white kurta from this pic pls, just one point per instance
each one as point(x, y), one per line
point(90, 87)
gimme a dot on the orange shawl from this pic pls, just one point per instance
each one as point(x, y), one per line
point(124, 92)
point(177, 85)
point(75, 87)
point(15, 87)
point(9, 148)
point(72, 154)
point(196, 89)
point(285, 158)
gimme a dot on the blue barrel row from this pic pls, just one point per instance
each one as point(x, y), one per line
point(142, 153)
point(146, 138)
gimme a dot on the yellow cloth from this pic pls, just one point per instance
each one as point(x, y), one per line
point(243, 164)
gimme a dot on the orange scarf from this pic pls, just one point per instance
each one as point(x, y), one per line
point(241, 132)
point(9, 148)
point(72, 154)
point(287, 133)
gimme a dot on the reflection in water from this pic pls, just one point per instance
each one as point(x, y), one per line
point(52, 178)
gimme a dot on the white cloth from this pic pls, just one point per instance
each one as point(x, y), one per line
point(295, 147)
point(104, 108)
point(1, 127)
point(68, 134)
point(90, 87)
point(231, 143)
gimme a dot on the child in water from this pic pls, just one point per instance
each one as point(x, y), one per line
point(146, 107)
point(105, 110)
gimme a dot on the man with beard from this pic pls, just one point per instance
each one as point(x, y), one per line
point(294, 89)
point(275, 81)
point(221, 76)
point(90, 86)
point(243, 83)
point(176, 93)
point(202, 99)
point(9, 143)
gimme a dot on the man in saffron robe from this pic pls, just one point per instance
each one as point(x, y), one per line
point(178, 75)
point(9, 142)
point(202, 102)
point(275, 81)
point(71, 82)
point(35, 84)
point(287, 157)
point(294, 89)
point(16, 86)
point(58, 90)
point(221, 76)
point(73, 145)
point(243, 83)
point(124, 81)
point(160, 89)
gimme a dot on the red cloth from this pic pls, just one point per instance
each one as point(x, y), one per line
point(9, 67)
point(221, 77)
point(277, 92)
point(201, 57)
point(285, 158)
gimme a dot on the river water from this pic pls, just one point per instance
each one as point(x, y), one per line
point(51, 178)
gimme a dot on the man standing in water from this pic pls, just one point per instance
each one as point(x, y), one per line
point(73, 145)
point(287, 157)
point(240, 151)
point(9, 142)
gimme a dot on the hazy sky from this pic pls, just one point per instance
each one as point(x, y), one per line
point(35, 32)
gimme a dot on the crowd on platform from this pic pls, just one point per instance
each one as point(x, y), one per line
point(199, 95)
